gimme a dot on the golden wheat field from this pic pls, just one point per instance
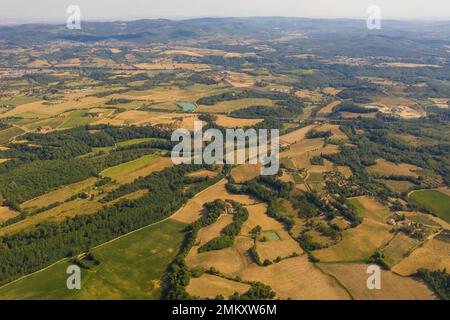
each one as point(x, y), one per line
point(209, 286)
point(296, 278)
point(433, 255)
point(393, 287)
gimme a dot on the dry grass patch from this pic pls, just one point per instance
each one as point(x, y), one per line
point(433, 255)
point(393, 287)
point(229, 122)
point(346, 171)
point(65, 210)
point(257, 217)
point(239, 80)
point(228, 106)
point(6, 214)
point(231, 261)
point(296, 278)
point(359, 243)
point(408, 65)
point(182, 53)
point(372, 209)
point(245, 172)
point(60, 194)
point(212, 231)
point(335, 130)
point(329, 108)
point(277, 248)
point(131, 196)
point(351, 115)
point(296, 135)
point(193, 209)
point(39, 109)
point(399, 248)
point(209, 286)
point(331, 91)
point(385, 168)
point(202, 174)
point(168, 64)
point(399, 186)
point(137, 117)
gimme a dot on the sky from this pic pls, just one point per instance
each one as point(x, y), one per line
point(55, 10)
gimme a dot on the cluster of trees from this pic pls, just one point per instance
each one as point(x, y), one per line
point(39, 177)
point(438, 280)
point(257, 291)
point(229, 232)
point(178, 276)
point(307, 243)
point(31, 250)
point(379, 258)
point(348, 106)
point(316, 160)
point(34, 171)
point(312, 134)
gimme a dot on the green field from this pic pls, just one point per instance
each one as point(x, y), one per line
point(8, 134)
point(135, 141)
point(77, 118)
point(436, 201)
point(128, 166)
point(131, 268)
point(186, 106)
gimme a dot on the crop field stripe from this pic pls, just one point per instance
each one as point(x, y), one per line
point(336, 279)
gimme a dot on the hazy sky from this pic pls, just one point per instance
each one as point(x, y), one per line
point(55, 10)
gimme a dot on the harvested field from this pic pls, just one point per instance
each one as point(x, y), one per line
point(60, 194)
point(335, 130)
point(329, 108)
point(277, 248)
point(433, 255)
point(239, 80)
point(39, 109)
point(296, 278)
point(229, 122)
point(194, 207)
point(6, 214)
point(399, 186)
point(57, 214)
point(245, 172)
point(209, 286)
point(258, 217)
point(386, 168)
point(408, 65)
point(370, 208)
point(359, 243)
point(175, 120)
point(393, 287)
point(129, 171)
point(167, 64)
point(228, 106)
point(212, 231)
point(231, 261)
point(202, 174)
point(399, 248)
point(296, 135)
